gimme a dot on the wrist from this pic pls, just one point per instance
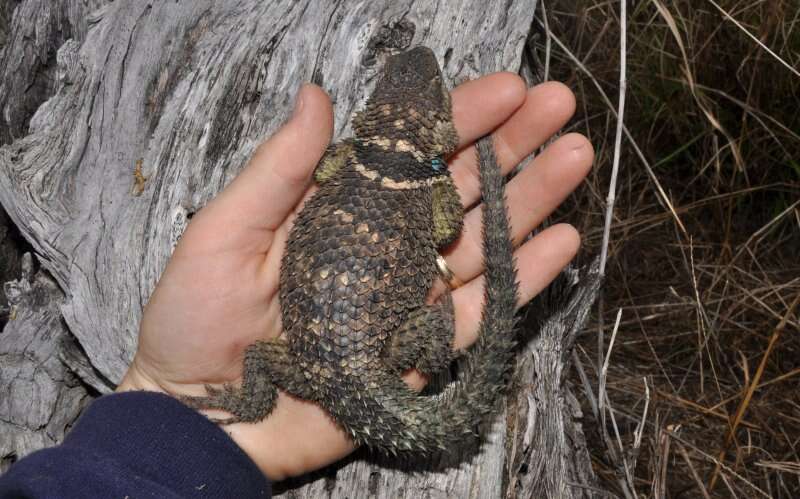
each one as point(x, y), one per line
point(135, 379)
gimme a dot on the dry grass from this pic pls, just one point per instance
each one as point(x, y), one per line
point(704, 259)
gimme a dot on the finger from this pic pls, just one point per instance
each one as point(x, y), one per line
point(479, 106)
point(538, 262)
point(546, 109)
point(530, 197)
point(279, 172)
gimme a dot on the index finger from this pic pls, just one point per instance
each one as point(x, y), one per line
point(480, 106)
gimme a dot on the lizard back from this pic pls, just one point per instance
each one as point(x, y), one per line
point(359, 258)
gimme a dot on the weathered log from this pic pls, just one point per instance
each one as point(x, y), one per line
point(11, 249)
point(137, 113)
point(41, 395)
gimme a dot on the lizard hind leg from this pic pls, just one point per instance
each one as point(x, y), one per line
point(425, 340)
point(265, 364)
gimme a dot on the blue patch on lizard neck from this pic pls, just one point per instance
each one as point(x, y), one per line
point(438, 165)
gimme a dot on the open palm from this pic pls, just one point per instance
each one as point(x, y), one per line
point(219, 292)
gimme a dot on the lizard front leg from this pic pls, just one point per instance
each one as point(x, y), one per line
point(335, 157)
point(448, 213)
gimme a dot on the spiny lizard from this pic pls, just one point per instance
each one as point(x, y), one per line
point(359, 263)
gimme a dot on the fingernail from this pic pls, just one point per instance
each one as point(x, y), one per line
point(299, 100)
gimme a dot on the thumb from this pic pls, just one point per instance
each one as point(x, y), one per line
point(278, 174)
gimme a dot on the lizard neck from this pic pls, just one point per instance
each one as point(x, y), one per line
point(395, 168)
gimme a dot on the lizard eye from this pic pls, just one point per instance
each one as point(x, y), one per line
point(438, 165)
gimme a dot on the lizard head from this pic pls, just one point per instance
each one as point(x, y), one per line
point(409, 110)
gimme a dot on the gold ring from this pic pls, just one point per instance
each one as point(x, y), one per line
point(452, 281)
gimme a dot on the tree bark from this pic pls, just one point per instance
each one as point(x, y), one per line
point(121, 119)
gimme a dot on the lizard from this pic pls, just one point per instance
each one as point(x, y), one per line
point(360, 259)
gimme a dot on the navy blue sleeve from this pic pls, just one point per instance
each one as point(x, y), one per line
point(138, 445)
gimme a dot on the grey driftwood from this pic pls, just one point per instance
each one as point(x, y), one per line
point(120, 120)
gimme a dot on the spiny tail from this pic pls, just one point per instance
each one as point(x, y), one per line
point(484, 372)
point(395, 420)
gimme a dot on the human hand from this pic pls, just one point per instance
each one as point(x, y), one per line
point(219, 292)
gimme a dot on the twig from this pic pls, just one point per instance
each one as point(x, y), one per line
point(633, 455)
point(659, 486)
point(547, 43)
point(604, 370)
point(627, 485)
point(623, 82)
point(625, 478)
point(637, 442)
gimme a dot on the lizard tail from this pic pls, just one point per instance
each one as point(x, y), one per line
point(401, 421)
point(484, 372)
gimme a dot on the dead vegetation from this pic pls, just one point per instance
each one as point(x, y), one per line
point(704, 257)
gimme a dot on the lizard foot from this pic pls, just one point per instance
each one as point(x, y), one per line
point(243, 406)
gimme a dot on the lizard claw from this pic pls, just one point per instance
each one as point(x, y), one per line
point(215, 399)
point(224, 421)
